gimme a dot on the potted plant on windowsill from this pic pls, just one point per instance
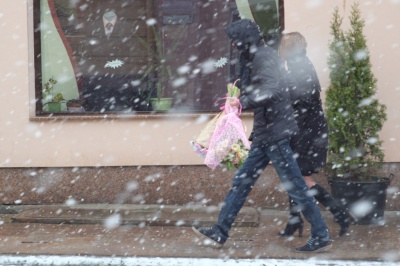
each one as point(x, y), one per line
point(159, 70)
point(355, 118)
point(52, 100)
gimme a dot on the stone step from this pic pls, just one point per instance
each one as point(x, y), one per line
point(127, 214)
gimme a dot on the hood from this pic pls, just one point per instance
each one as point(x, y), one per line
point(244, 33)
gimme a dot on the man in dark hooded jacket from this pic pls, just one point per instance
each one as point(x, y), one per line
point(273, 126)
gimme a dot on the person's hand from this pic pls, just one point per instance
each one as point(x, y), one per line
point(233, 101)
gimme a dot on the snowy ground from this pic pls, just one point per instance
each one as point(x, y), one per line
point(81, 261)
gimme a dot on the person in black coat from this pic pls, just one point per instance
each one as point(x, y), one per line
point(273, 126)
point(310, 144)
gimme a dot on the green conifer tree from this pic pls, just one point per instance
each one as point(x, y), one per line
point(355, 117)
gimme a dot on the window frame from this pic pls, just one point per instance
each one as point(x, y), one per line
point(38, 82)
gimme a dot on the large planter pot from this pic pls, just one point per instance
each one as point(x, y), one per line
point(366, 201)
point(161, 104)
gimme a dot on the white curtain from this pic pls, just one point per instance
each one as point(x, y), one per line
point(244, 9)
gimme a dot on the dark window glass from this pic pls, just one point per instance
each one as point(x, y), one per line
point(125, 56)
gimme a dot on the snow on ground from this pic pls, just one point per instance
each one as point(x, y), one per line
point(137, 261)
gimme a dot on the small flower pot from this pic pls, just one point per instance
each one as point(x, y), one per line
point(54, 107)
point(161, 104)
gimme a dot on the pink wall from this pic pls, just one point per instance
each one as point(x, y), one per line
point(26, 142)
point(382, 30)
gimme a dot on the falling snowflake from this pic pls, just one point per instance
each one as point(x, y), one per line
point(114, 64)
point(221, 62)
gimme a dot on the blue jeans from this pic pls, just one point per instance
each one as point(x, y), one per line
point(281, 156)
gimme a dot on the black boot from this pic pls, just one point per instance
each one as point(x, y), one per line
point(295, 222)
point(340, 214)
point(316, 244)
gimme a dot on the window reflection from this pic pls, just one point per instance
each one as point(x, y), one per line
point(114, 56)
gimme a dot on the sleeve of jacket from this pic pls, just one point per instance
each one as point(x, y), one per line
point(266, 87)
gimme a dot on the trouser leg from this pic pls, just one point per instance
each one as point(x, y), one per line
point(292, 180)
point(339, 213)
point(242, 184)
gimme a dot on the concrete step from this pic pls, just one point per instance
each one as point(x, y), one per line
point(127, 214)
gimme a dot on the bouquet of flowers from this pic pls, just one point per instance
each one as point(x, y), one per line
point(228, 144)
point(236, 156)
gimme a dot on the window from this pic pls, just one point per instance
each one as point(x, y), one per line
point(124, 56)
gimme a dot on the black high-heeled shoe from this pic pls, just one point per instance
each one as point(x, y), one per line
point(295, 223)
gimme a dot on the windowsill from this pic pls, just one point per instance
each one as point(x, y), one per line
point(69, 116)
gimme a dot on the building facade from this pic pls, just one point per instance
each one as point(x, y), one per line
point(110, 143)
